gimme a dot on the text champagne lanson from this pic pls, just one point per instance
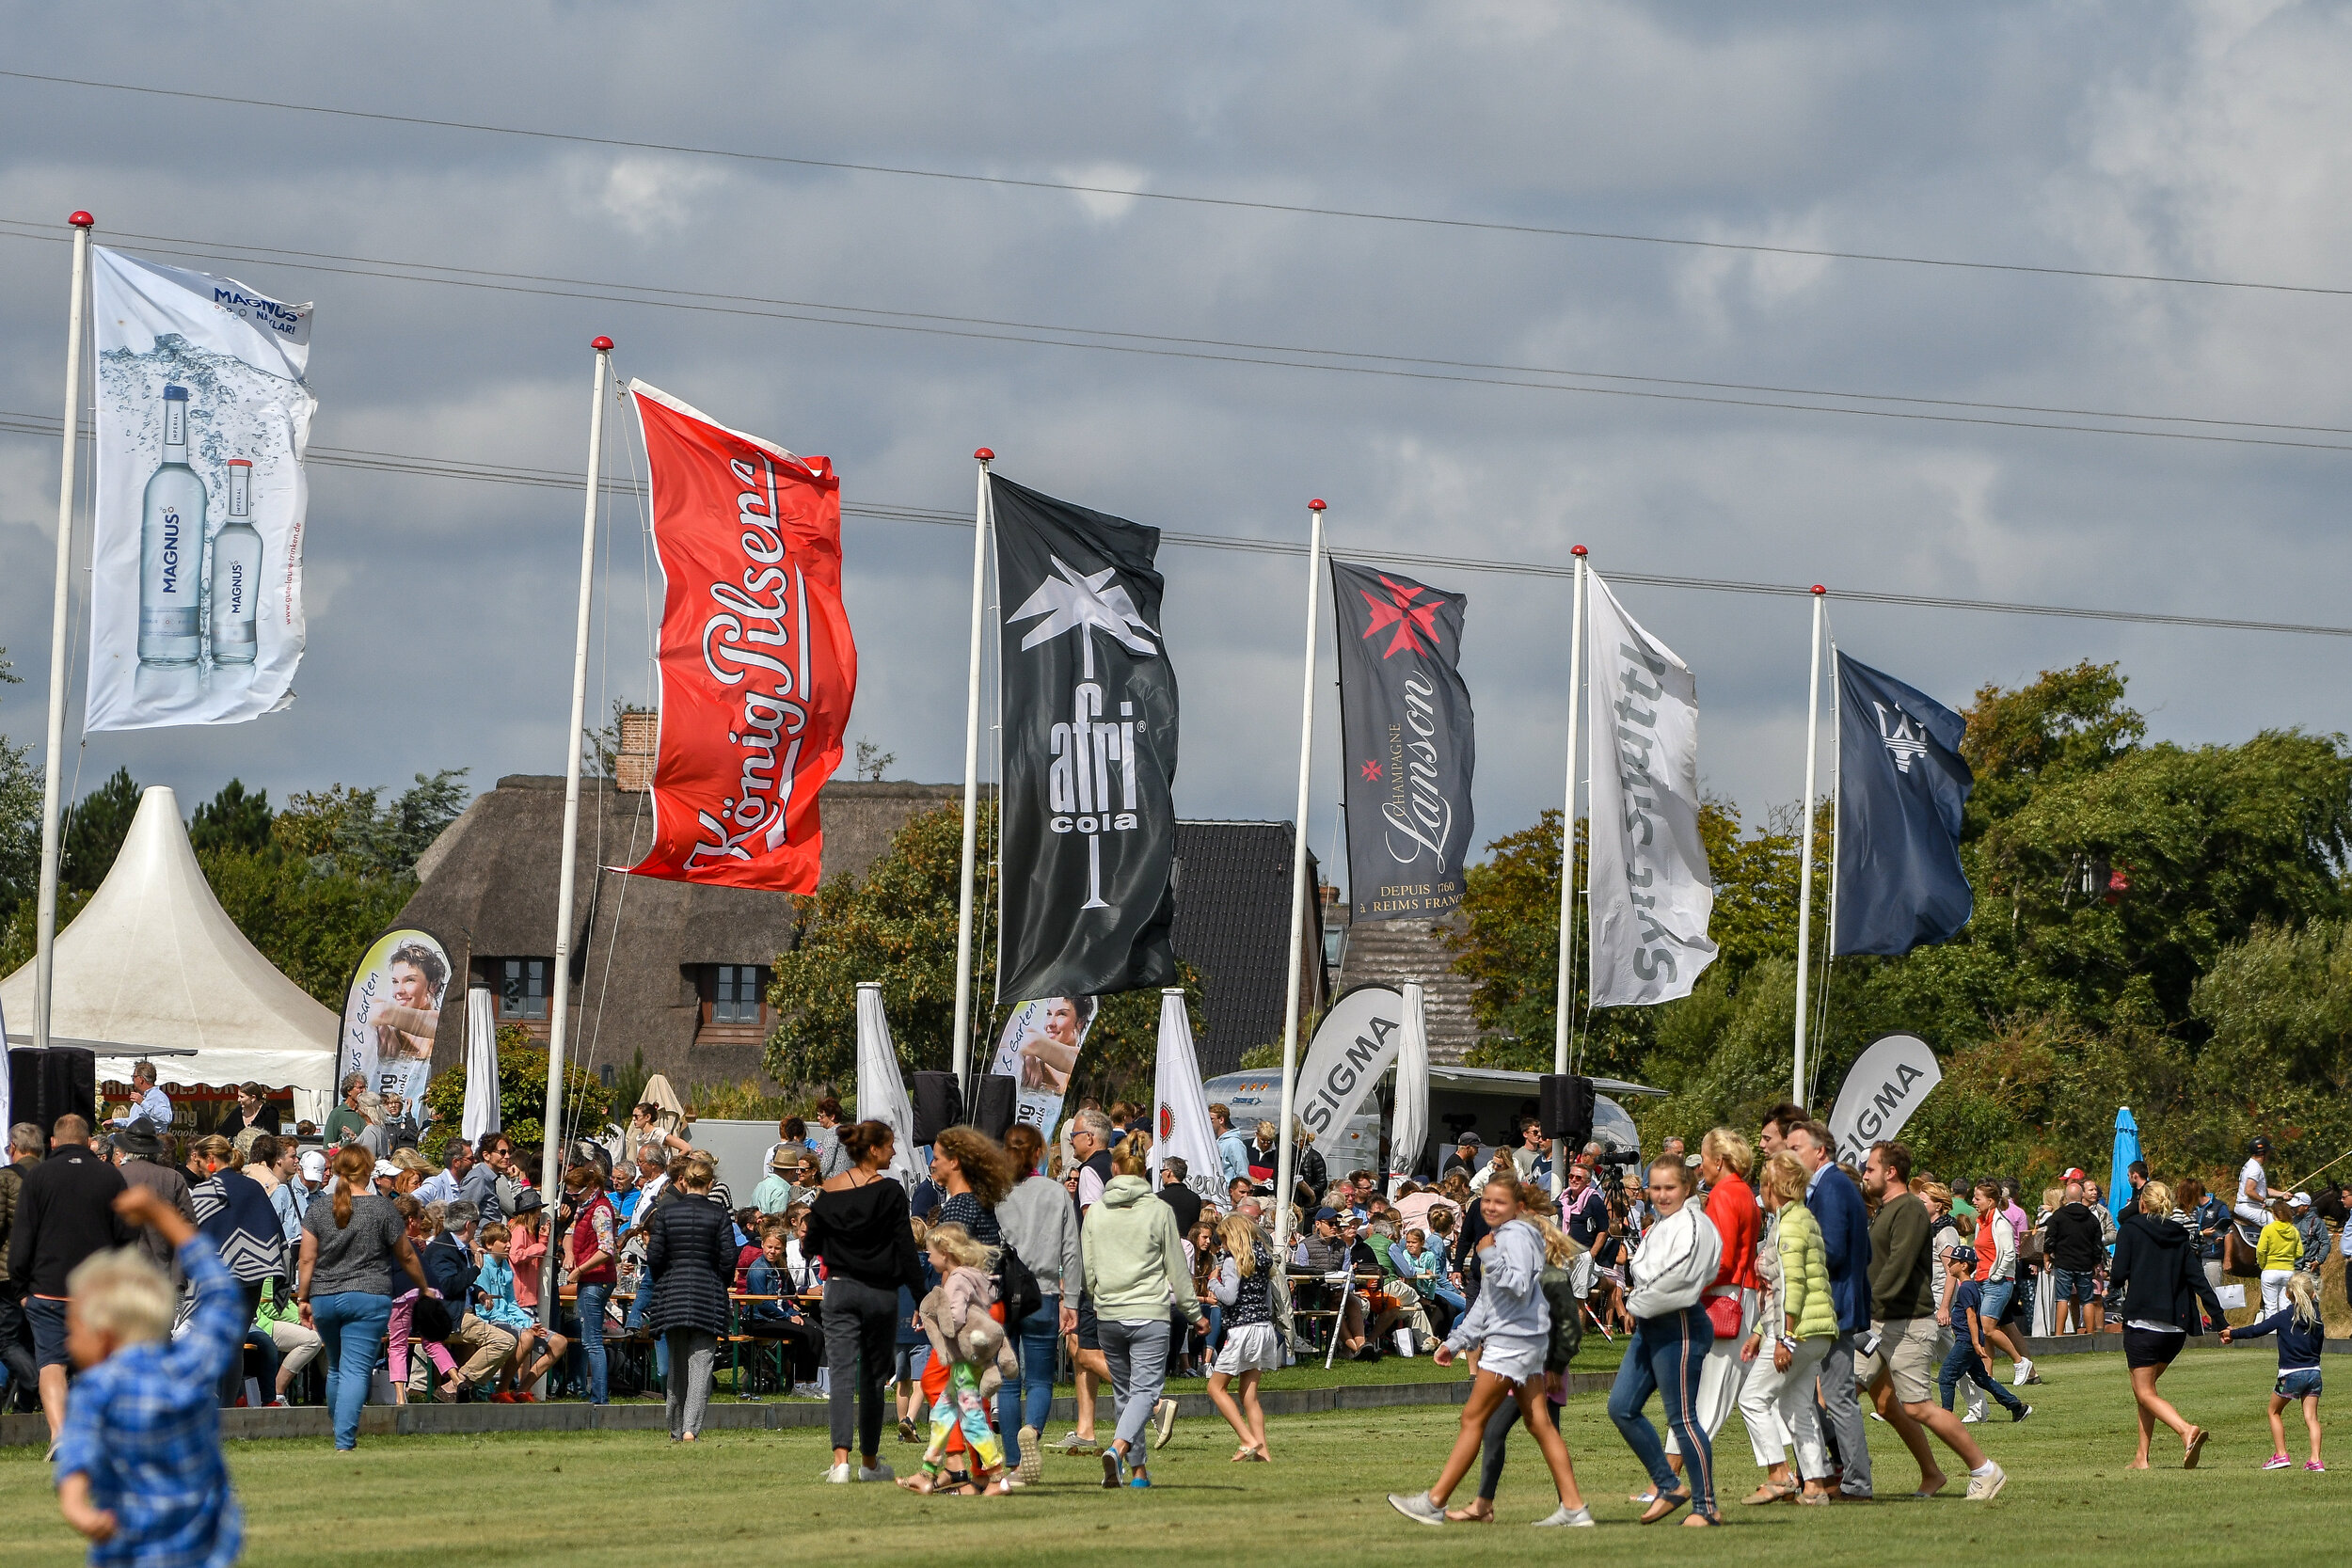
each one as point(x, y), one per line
point(236, 572)
point(171, 544)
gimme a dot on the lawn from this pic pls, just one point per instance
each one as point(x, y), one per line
point(596, 1498)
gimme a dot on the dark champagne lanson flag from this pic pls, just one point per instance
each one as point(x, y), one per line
point(1900, 787)
point(1089, 724)
point(1407, 731)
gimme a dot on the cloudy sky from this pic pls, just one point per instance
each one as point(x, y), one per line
point(2205, 140)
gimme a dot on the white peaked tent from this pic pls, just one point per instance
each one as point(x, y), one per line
point(153, 960)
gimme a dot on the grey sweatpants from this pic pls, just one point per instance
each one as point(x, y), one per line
point(1845, 1418)
point(1137, 1353)
point(693, 1352)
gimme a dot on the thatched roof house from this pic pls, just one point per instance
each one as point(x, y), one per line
point(680, 971)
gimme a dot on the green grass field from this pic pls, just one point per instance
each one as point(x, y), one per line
point(600, 1499)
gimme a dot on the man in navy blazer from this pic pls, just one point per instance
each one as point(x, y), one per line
point(1836, 1204)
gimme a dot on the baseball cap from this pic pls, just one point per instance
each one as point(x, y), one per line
point(2075, 1173)
point(1964, 1256)
point(2300, 1200)
point(385, 1168)
point(1690, 1162)
point(1322, 1214)
point(313, 1165)
point(1469, 1139)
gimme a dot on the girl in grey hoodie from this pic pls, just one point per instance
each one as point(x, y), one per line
point(1135, 1266)
point(1508, 1329)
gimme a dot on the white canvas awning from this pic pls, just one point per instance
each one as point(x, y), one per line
point(154, 963)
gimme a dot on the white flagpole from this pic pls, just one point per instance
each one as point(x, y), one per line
point(1804, 861)
point(1565, 984)
point(963, 1043)
point(551, 1119)
point(1298, 887)
point(1836, 800)
point(45, 918)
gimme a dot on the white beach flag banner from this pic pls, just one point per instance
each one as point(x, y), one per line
point(1409, 1133)
point(1180, 1109)
point(881, 1088)
point(481, 1113)
point(196, 561)
point(1651, 894)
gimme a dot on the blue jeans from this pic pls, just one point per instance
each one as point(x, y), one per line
point(1027, 1405)
point(592, 1303)
point(637, 1305)
point(1664, 1357)
point(351, 1324)
point(1963, 1362)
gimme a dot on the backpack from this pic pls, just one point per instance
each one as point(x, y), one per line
point(1558, 1284)
point(1016, 1287)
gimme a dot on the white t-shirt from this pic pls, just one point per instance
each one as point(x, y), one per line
point(2254, 1173)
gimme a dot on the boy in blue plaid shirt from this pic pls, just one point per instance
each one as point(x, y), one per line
point(139, 1465)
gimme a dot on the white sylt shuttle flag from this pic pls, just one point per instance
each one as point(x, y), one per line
point(1651, 894)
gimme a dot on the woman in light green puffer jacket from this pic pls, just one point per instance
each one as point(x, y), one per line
point(1796, 1329)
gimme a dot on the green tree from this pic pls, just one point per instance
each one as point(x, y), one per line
point(94, 832)
point(522, 1096)
point(312, 924)
point(20, 820)
point(233, 820)
point(2066, 724)
point(342, 829)
point(898, 926)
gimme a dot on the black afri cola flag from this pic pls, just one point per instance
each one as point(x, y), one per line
point(1406, 728)
point(1089, 822)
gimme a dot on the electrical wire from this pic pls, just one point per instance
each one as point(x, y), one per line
point(458, 469)
point(1188, 199)
point(1273, 355)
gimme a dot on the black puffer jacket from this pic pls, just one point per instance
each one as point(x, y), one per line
point(691, 1253)
point(2158, 1275)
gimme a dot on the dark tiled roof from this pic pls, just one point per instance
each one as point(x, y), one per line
point(1232, 911)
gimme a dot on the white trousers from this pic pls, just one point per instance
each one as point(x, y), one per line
point(1779, 1410)
point(2275, 1289)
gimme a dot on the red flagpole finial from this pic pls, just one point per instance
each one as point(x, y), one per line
point(602, 345)
point(1314, 506)
point(1819, 588)
point(82, 220)
point(985, 455)
point(1576, 549)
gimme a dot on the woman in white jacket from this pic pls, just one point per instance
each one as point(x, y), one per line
point(1507, 1330)
point(1677, 1261)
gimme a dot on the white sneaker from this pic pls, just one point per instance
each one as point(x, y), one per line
point(879, 1472)
point(1970, 1419)
point(1163, 1422)
point(1984, 1488)
point(1564, 1514)
point(1032, 1466)
point(837, 1475)
point(1417, 1507)
point(2025, 1374)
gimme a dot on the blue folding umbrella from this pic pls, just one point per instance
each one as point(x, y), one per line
point(2127, 1150)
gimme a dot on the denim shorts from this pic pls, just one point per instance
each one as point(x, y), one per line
point(910, 1360)
point(2303, 1385)
point(47, 1316)
point(2071, 1284)
point(1995, 1299)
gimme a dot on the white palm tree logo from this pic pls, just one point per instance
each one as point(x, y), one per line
point(1078, 601)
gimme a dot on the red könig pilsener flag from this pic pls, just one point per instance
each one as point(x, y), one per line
point(757, 670)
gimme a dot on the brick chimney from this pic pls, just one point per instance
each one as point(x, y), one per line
point(632, 770)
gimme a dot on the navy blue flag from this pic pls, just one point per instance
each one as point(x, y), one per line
point(1900, 787)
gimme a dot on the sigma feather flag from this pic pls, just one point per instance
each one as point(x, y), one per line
point(1651, 894)
point(758, 669)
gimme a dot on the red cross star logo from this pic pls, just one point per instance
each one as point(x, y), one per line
point(1412, 621)
point(1371, 772)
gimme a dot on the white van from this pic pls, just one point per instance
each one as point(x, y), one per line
point(1486, 1099)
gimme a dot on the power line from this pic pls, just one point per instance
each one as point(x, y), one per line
point(1170, 346)
point(555, 478)
point(1187, 198)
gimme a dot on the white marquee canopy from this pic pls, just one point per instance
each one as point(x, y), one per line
point(154, 963)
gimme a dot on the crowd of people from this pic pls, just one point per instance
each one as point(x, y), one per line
point(1763, 1276)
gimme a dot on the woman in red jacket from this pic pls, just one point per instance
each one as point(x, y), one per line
point(1725, 1157)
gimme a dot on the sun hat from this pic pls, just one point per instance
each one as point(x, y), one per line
point(385, 1168)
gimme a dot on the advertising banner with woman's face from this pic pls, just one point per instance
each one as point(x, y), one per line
point(393, 1013)
point(1039, 1051)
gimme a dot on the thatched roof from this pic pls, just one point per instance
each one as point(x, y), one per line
point(489, 890)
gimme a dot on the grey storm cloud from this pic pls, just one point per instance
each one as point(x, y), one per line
point(2198, 139)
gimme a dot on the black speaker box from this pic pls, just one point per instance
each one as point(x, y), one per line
point(46, 1085)
point(994, 1102)
point(1564, 1106)
point(938, 1104)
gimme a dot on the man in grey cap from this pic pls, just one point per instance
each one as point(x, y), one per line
point(1468, 1156)
point(138, 1150)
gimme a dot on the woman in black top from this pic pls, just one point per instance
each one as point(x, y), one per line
point(857, 1224)
point(975, 1174)
point(690, 1251)
point(2161, 1281)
